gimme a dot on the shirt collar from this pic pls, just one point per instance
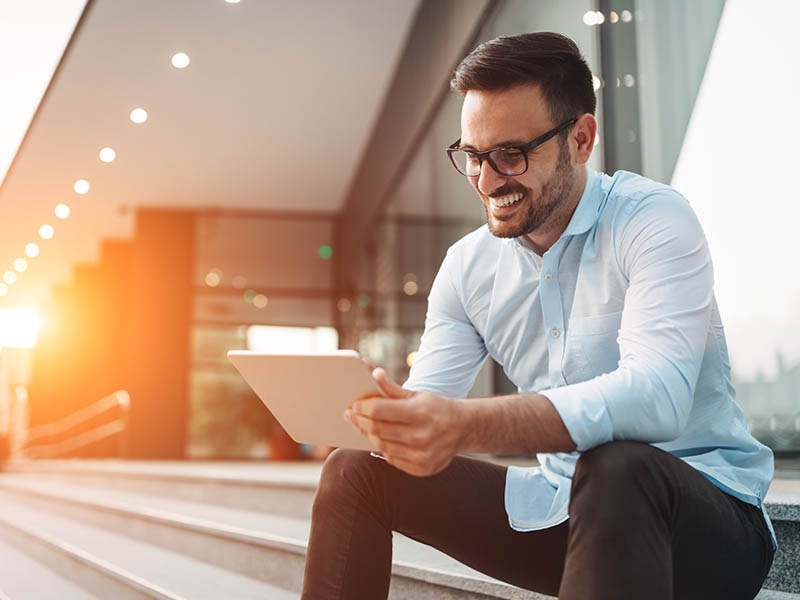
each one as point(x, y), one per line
point(588, 209)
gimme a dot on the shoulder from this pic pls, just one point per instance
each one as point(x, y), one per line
point(627, 193)
point(475, 247)
point(633, 202)
point(645, 216)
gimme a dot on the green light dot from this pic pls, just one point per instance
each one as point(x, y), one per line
point(325, 252)
point(363, 300)
point(249, 295)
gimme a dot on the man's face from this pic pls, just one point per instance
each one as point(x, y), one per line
point(525, 203)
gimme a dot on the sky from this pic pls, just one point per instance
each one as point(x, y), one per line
point(737, 168)
point(33, 35)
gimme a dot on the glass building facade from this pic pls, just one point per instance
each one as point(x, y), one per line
point(654, 63)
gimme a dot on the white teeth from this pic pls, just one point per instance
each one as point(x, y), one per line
point(507, 200)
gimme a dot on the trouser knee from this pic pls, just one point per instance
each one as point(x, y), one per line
point(344, 470)
point(616, 474)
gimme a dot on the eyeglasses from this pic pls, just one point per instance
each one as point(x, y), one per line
point(507, 161)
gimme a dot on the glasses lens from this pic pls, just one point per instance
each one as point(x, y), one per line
point(466, 163)
point(508, 161)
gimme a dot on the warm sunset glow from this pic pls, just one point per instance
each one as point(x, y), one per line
point(19, 327)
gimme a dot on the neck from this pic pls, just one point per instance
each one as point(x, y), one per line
point(545, 236)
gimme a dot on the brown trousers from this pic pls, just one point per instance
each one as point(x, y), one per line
point(643, 524)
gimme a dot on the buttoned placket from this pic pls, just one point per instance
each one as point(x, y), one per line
point(553, 312)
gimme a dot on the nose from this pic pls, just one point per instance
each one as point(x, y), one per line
point(489, 180)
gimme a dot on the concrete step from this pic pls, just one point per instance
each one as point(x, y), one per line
point(269, 505)
point(279, 489)
point(111, 565)
point(265, 547)
point(22, 576)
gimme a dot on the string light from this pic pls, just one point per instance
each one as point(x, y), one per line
point(62, 211)
point(180, 60)
point(107, 155)
point(81, 186)
point(138, 115)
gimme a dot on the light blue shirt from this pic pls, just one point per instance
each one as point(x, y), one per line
point(616, 324)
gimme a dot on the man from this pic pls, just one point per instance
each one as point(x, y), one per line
point(595, 294)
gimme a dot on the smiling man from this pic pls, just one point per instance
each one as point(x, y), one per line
point(595, 293)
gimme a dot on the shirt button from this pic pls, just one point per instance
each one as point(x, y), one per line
point(548, 276)
point(556, 333)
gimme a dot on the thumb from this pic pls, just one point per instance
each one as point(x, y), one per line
point(390, 388)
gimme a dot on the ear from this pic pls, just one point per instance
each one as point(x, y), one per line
point(584, 133)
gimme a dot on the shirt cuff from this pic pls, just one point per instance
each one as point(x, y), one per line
point(584, 412)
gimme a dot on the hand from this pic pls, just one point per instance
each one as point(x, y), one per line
point(417, 432)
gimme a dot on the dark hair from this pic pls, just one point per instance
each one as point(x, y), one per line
point(550, 60)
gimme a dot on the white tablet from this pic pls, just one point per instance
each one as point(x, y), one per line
point(309, 393)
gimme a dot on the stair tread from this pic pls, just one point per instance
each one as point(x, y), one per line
point(174, 572)
point(783, 490)
point(260, 524)
point(23, 577)
point(405, 550)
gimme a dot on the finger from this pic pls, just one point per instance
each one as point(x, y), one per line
point(382, 409)
point(370, 366)
point(385, 430)
point(390, 388)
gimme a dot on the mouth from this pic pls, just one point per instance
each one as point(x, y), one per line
point(506, 205)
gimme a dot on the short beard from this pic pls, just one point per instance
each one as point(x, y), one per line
point(555, 194)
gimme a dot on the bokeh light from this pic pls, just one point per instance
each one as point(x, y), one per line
point(107, 155)
point(260, 300)
point(3, 289)
point(213, 279)
point(32, 250)
point(344, 305)
point(325, 252)
point(180, 60)
point(62, 211)
point(20, 265)
point(10, 277)
point(46, 232)
point(249, 295)
point(411, 358)
point(81, 186)
point(138, 115)
point(364, 300)
point(410, 288)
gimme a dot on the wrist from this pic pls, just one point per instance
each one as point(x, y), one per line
point(465, 425)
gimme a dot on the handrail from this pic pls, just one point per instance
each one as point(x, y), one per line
point(118, 426)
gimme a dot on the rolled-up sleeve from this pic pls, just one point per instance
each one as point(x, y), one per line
point(661, 248)
point(451, 350)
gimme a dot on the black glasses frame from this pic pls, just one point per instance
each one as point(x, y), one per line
point(482, 155)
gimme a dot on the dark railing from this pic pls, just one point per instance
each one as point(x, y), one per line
point(82, 428)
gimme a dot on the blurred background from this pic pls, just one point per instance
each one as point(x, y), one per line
point(187, 177)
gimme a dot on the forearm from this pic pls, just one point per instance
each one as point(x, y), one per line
point(516, 424)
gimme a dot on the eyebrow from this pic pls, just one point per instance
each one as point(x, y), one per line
point(503, 144)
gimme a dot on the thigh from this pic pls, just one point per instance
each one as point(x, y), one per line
point(461, 511)
point(721, 546)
